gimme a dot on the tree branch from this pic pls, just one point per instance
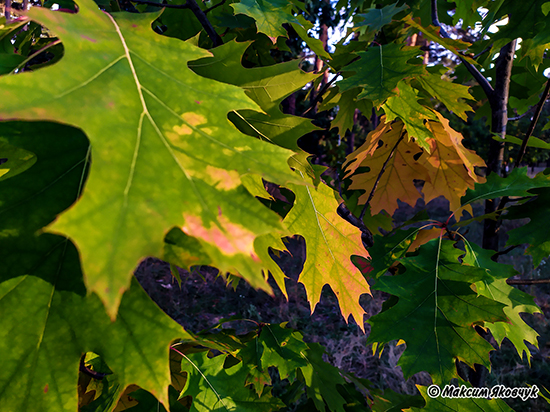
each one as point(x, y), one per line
point(478, 76)
point(163, 5)
point(321, 93)
point(209, 9)
point(203, 20)
point(534, 121)
point(380, 176)
point(527, 281)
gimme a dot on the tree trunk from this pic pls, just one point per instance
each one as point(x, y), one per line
point(499, 118)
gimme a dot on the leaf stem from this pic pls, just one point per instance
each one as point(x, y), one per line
point(380, 176)
point(209, 9)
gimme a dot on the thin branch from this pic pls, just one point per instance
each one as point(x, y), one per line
point(163, 5)
point(521, 116)
point(481, 53)
point(527, 281)
point(205, 23)
point(380, 176)
point(209, 9)
point(534, 121)
point(321, 93)
point(505, 251)
point(478, 76)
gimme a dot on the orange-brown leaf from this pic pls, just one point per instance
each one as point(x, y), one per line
point(397, 182)
point(450, 164)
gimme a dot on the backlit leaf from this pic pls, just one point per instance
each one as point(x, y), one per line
point(380, 69)
point(270, 15)
point(436, 312)
point(397, 180)
point(164, 153)
point(330, 241)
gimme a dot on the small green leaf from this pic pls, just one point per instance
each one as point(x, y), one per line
point(374, 19)
point(404, 105)
point(270, 15)
point(380, 69)
point(216, 388)
point(448, 93)
point(517, 183)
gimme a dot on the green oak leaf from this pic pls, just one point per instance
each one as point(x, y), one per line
point(164, 153)
point(267, 86)
point(217, 388)
point(534, 233)
point(388, 249)
point(517, 183)
point(516, 301)
point(436, 312)
point(57, 322)
point(270, 15)
point(449, 93)
point(330, 241)
point(525, 20)
point(322, 380)
point(439, 404)
point(374, 19)
point(404, 105)
point(347, 104)
point(380, 69)
point(314, 45)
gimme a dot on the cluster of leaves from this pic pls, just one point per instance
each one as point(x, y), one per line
point(134, 140)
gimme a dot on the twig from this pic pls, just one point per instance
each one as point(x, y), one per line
point(527, 281)
point(480, 78)
point(481, 53)
point(205, 23)
point(163, 5)
point(321, 93)
point(380, 176)
point(534, 121)
point(505, 251)
point(209, 9)
point(521, 116)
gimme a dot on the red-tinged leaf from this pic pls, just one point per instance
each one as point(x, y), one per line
point(162, 145)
